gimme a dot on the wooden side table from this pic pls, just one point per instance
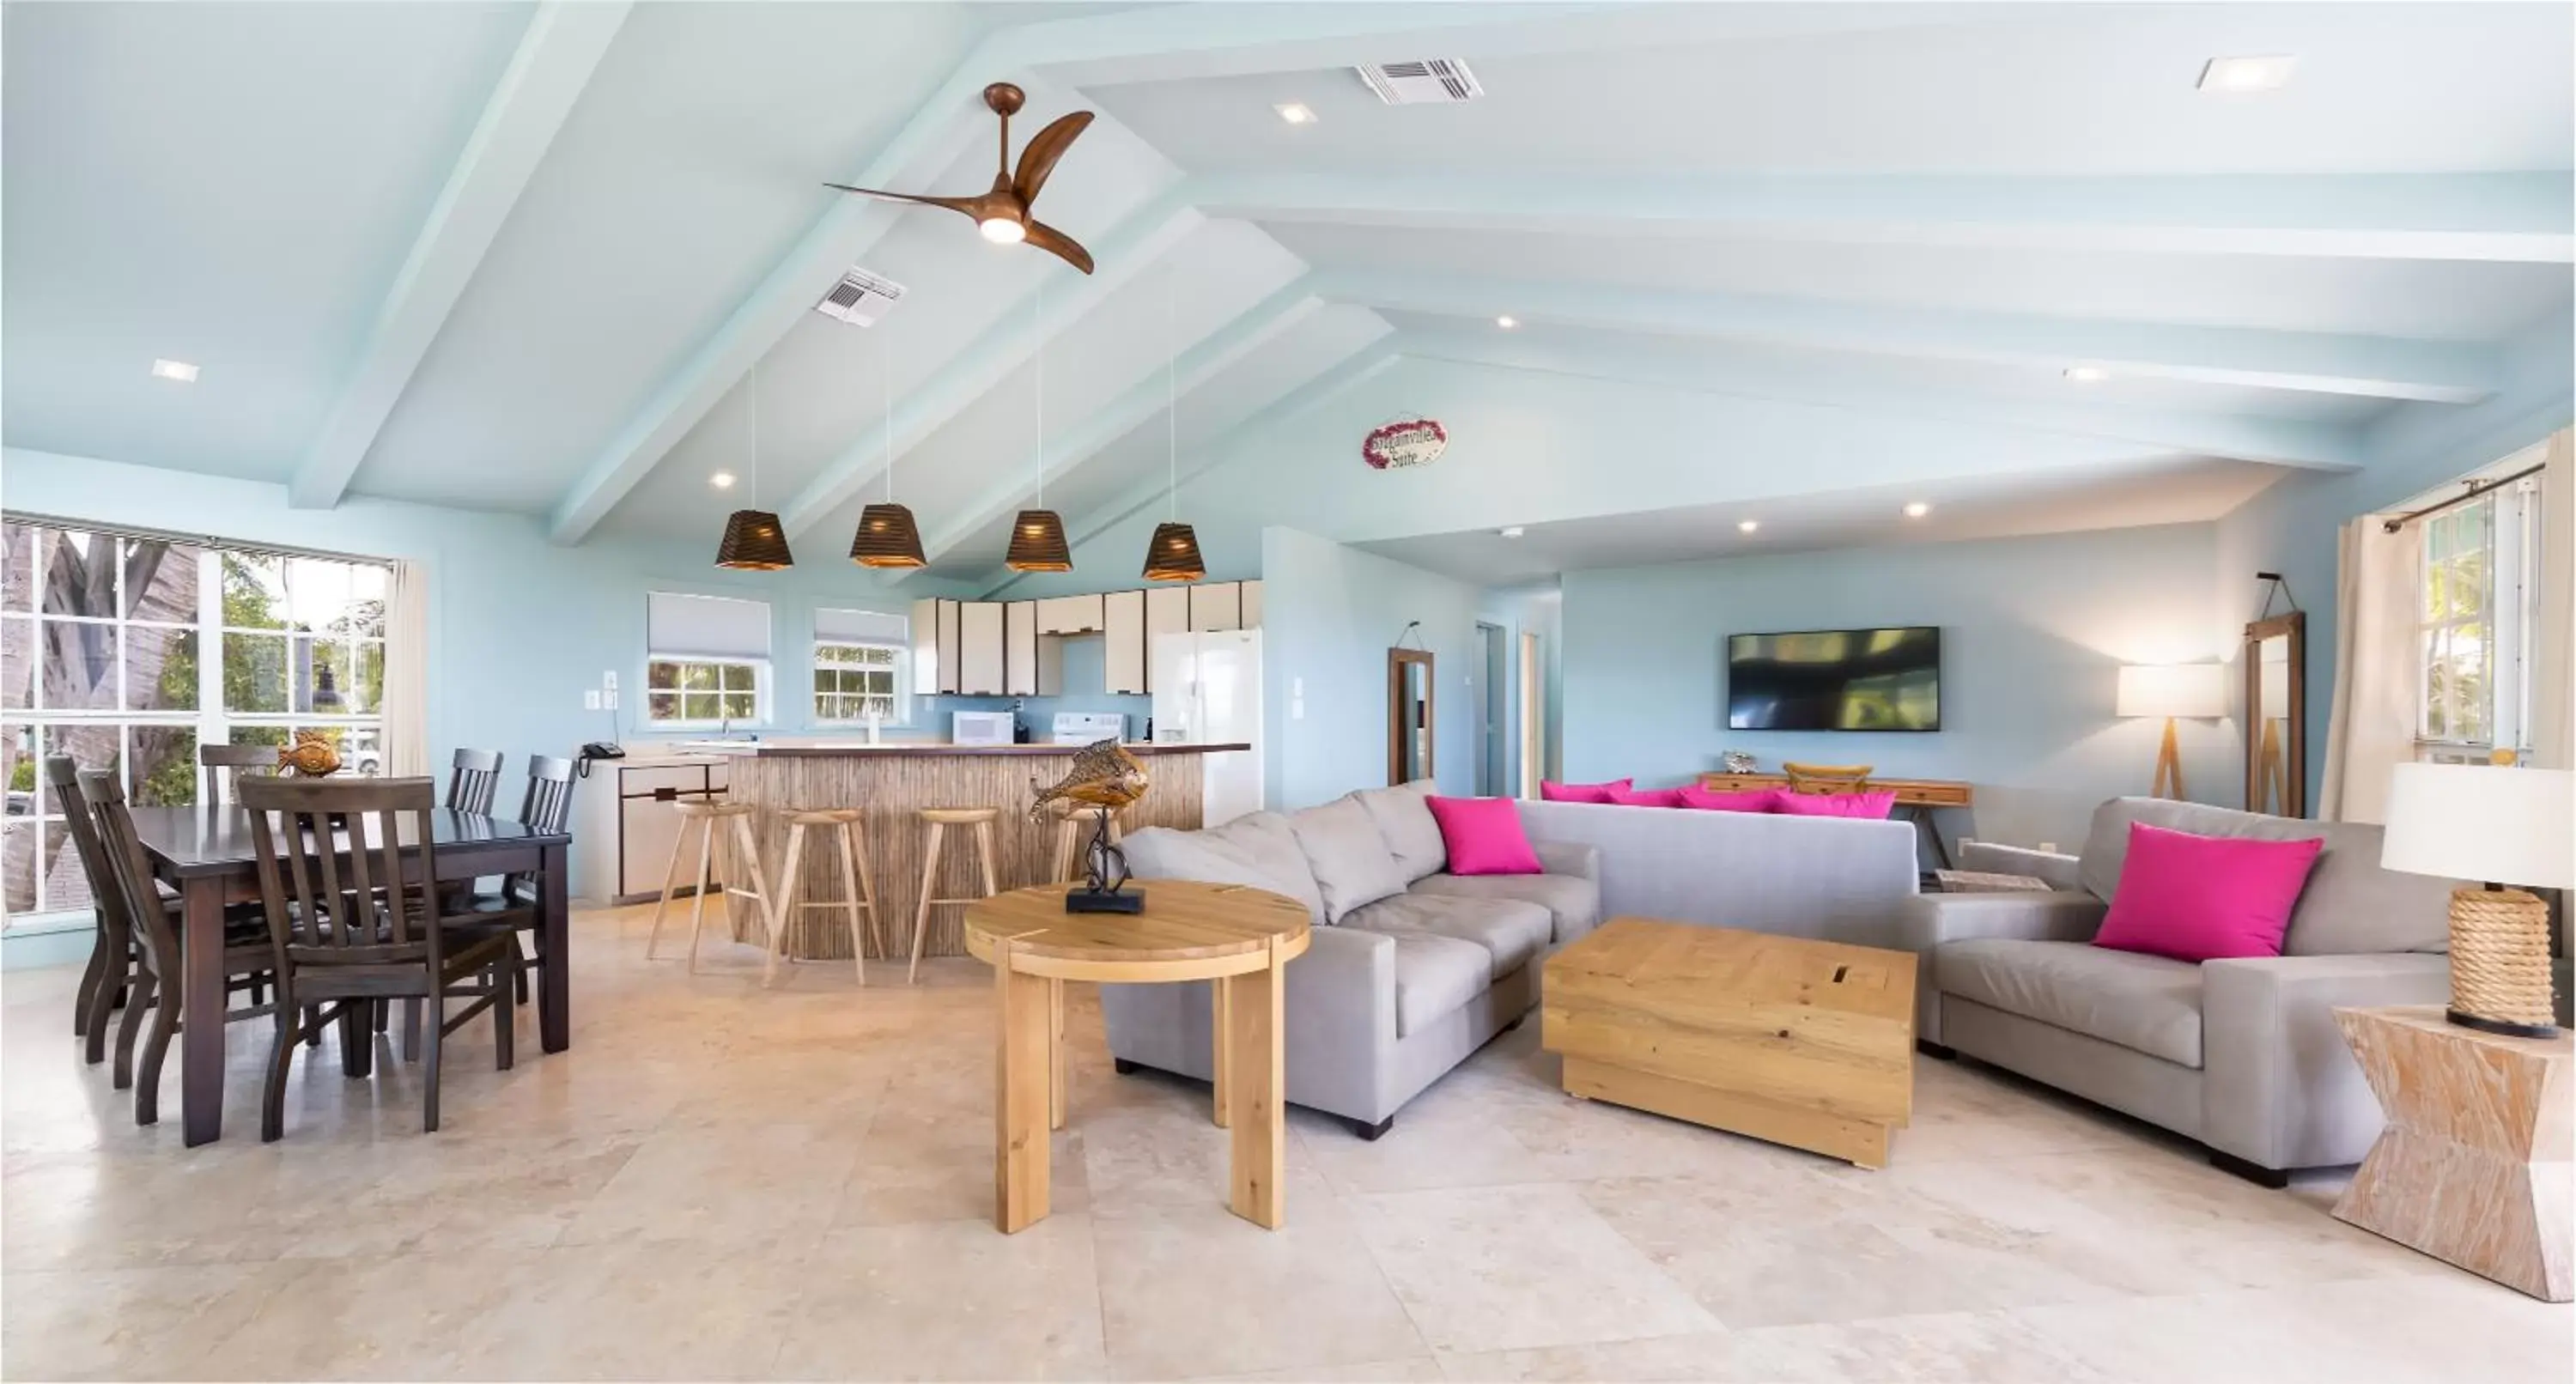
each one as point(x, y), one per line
point(1240, 938)
point(2475, 1166)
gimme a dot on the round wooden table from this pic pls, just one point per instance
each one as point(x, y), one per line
point(1238, 937)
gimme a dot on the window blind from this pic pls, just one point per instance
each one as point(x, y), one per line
point(677, 625)
point(861, 626)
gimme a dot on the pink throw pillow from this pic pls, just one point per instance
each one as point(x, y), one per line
point(2200, 898)
point(1647, 797)
point(1484, 837)
point(1743, 800)
point(1875, 805)
point(1583, 792)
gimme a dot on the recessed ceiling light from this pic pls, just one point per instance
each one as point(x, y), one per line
point(1748, 526)
point(1917, 510)
point(2241, 75)
point(1513, 532)
point(722, 480)
point(1507, 321)
point(2087, 374)
point(179, 370)
point(1295, 113)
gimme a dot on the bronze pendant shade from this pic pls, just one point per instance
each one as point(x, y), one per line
point(754, 541)
point(887, 537)
point(1173, 555)
point(1038, 543)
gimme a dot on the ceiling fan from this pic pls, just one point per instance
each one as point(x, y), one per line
point(1003, 213)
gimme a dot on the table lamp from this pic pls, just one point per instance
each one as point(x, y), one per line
point(2503, 826)
point(2173, 691)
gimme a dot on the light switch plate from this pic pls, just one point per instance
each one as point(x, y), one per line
point(590, 699)
point(608, 700)
point(608, 680)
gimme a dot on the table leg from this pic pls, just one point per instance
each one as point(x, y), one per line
point(1020, 1133)
point(201, 1010)
point(554, 925)
point(1055, 1054)
point(1257, 1091)
point(1219, 1067)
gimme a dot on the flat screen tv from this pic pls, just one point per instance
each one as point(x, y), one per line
point(1885, 679)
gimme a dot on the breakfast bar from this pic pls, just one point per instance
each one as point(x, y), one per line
point(893, 784)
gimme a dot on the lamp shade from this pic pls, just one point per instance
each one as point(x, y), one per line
point(1038, 543)
point(2187, 690)
point(754, 541)
point(887, 537)
point(2479, 822)
point(1173, 554)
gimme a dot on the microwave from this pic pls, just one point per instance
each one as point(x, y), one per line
point(981, 728)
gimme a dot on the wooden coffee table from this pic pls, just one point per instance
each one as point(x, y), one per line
point(1240, 938)
point(1804, 1043)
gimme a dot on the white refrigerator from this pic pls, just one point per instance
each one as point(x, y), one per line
point(1207, 691)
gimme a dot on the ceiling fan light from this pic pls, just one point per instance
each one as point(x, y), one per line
point(754, 541)
point(887, 537)
point(1173, 554)
point(1002, 230)
point(1038, 543)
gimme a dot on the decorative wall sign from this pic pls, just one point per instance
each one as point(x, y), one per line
point(1403, 443)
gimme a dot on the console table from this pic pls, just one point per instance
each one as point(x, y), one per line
point(1917, 796)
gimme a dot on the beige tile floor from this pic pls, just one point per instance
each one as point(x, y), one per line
point(719, 1181)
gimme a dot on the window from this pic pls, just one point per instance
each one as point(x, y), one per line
point(706, 660)
point(127, 651)
point(860, 658)
point(2476, 616)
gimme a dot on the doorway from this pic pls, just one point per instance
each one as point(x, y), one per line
point(1533, 718)
point(1493, 679)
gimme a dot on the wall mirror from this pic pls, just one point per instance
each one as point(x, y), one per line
point(1408, 715)
point(2276, 715)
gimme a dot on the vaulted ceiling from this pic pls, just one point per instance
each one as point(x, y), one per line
point(561, 259)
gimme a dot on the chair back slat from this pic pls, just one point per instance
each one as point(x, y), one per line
point(62, 775)
point(344, 896)
point(1827, 778)
point(130, 871)
point(546, 808)
point(227, 765)
point(474, 782)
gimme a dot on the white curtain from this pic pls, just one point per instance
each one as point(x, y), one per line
point(2372, 729)
point(2553, 668)
point(407, 672)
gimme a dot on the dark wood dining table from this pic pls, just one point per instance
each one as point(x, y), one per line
point(205, 852)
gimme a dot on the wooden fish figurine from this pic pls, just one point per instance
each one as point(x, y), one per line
point(311, 756)
point(1103, 775)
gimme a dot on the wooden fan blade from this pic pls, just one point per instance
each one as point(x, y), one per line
point(1062, 246)
point(1039, 158)
point(962, 204)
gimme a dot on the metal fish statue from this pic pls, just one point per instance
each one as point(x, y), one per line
point(1103, 775)
point(311, 756)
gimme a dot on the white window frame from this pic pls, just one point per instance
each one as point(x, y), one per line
point(760, 694)
point(898, 669)
point(2508, 610)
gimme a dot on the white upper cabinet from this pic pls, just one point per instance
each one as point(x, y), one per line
point(1070, 615)
point(1216, 606)
point(980, 657)
point(1123, 620)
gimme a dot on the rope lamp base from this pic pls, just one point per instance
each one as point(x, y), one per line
point(2500, 963)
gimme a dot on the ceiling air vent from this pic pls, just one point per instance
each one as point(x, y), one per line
point(860, 298)
point(1431, 81)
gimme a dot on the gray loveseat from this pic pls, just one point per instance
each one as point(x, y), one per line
point(2242, 1055)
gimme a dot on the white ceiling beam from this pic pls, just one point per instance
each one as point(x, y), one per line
point(556, 55)
point(1139, 241)
point(2275, 441)
point(2366, 366)
point(1208, 357)
point(2505, 217)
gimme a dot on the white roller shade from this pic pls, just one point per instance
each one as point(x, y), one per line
point(861, 626)
point(684, 626)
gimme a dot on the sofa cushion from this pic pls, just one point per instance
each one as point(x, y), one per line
point(2350, 906)
point(1512, 933)
point(1351, 862)
point(1434, 975)
point(1741, 800)
point(1573, 903)
point(1270, 843)
point(2147, 1003)
point(1256, 850)
point(1647, 797)
point(1403, 817)
point(2201, 898)
point(1875, 806)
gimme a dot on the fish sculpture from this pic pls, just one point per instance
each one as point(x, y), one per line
point(1103, 775)
point(311, 756)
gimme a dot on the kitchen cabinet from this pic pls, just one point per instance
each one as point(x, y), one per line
point(1216, 606)
point(624, 824)
point(980, 651)
point(1032, 659)
point(1123, 621)
point(1252, 604)
point(936, 630)
point(1060, 615)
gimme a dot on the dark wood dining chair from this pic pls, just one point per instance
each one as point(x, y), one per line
point(474, 781)
point(353, 929)
point(547, 807)
point(227, 765)
point(154, 982)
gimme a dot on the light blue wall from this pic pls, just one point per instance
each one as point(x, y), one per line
point(1329, 615)
point(2034, 631)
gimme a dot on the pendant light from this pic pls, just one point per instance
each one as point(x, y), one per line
point(887, 535)
point(754, 540)
point(1172, 554)
point(1037, 536)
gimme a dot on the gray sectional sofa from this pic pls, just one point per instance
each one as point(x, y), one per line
point(2241, 1055)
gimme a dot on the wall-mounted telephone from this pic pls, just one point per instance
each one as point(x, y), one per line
point(598, 749)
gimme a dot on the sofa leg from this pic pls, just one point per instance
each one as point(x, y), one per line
point(1124, 1067)
point(1941, 1051)
point(2256, 1173)
point(1516, 1023)
point(1370, 1132)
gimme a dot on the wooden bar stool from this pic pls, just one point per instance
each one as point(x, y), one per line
point(856, 875)
point(1074, 825)
point(704, 814)
point(940, 820)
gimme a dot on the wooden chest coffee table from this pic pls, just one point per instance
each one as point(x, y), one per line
point(1804, 1043)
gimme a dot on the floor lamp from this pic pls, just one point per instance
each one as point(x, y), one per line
point(2173, 691)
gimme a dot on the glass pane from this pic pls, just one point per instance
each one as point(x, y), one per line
point(160, 668)
point(17, 661)
point(165, 765)
point(740, 706)
point(66, 885)
point(2468, 584)
point(18, 866)
point(18, 567)
point(698, 676)
point(365, 689)
point(18, 767)
point(259, 735)
point(877, 656)
point(825, 680)
point(78, 572)
point(255, 668)
point(362, 750)
point(661, 675)
point(879, 683)
point(698, 706)
point(320, 675)
point(661, 706)
point(78, 665)
point(737, 677)
point(2437, 720)
point(254, 592)
point(161, 580)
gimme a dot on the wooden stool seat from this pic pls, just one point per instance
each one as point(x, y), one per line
point(824, 816)
point(856, 876)
point(940, 820)
point(704, 814)
point(708, 809)
point(960, 816)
